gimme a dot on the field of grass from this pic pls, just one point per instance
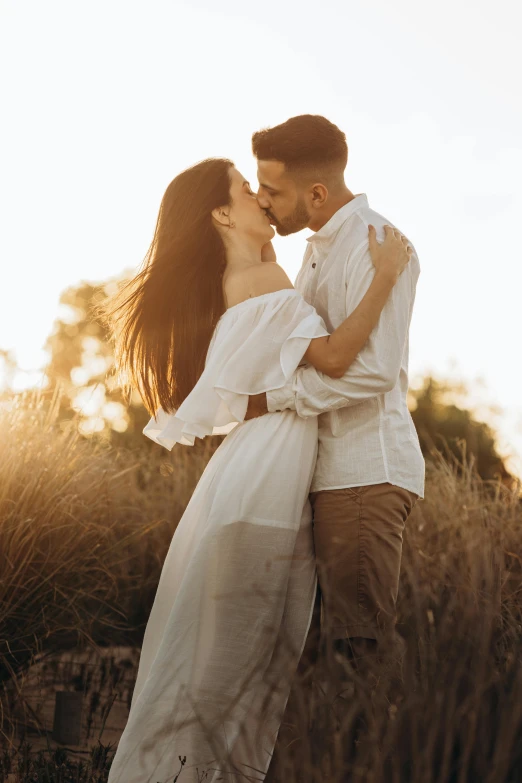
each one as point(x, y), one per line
point(84, 529)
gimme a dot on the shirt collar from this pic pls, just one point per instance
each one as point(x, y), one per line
point(338, 218)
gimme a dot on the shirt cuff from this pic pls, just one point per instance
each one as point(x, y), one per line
point(280, 399)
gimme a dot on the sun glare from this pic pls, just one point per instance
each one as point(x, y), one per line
point(444, 168)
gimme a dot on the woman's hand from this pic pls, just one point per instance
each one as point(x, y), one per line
point(268, 253)
point(391, 256)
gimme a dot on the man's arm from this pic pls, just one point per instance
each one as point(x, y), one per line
point(376, 368)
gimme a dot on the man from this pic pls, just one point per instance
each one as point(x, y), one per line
point(370, 470)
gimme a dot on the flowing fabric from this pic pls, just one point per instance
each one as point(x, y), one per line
point(235, 596)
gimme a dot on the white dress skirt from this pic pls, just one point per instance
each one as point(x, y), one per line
point(235, 596)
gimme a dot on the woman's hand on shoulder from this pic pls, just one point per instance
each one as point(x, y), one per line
point(391, 256)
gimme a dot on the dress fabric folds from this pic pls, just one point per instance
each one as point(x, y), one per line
point(235, 596)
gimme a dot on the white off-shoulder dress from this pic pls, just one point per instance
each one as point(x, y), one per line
point(235, 596)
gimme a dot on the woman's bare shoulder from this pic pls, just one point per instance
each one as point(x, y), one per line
point(258, 279)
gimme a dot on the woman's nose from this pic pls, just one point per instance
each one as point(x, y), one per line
point(262, 200)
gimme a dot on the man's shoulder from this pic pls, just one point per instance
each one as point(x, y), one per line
point(355, 228)
point(353, 237)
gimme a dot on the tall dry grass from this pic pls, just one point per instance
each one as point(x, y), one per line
point(451, 710)
point(84, 530)
point(83, 534)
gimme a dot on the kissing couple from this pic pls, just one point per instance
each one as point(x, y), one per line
point(309, 492)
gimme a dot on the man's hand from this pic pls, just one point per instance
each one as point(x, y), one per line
point(268, 254)
point(257, 406)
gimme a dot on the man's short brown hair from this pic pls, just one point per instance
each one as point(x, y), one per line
point(306, 141)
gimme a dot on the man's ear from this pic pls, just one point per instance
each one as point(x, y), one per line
point(318, 195)
point(222, 215)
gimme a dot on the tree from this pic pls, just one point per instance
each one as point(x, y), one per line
point(81, 363)
point(440, 423)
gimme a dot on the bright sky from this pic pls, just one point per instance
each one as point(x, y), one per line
point(105, 102)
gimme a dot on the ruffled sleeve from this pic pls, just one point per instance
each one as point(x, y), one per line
point(256, 347)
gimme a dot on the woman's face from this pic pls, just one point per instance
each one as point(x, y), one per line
point(250, 220)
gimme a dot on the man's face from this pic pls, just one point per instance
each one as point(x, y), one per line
point(281, 198)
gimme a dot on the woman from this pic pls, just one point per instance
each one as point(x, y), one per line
point(204, 325)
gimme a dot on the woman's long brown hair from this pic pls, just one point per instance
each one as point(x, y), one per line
point(162, 320)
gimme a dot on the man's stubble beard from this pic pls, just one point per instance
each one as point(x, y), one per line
point(295, 222)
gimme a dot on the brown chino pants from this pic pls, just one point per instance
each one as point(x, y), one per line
point(358, 547)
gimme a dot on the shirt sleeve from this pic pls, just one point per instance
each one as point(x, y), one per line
point(376, 369)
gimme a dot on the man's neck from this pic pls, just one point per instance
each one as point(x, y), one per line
point(334, 203)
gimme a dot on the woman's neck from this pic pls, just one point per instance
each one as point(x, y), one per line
point(242, 253)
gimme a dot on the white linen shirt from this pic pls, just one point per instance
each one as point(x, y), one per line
point(366, 433)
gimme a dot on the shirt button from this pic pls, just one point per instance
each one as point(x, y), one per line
point(314, 265)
